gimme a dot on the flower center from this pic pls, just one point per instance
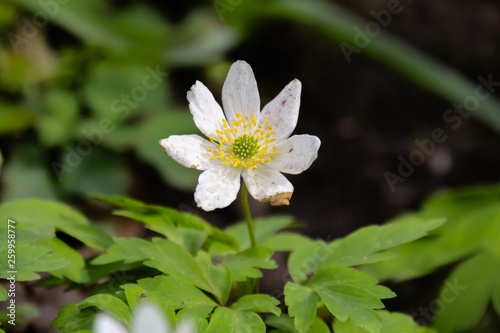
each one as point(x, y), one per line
point(245, 143)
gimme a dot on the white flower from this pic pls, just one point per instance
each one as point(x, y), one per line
point(243, 141)
point(147, 319)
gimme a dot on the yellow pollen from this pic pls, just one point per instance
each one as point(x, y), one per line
point(244, 144)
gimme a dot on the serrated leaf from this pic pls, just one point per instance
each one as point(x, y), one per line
point(257, 303)
point(246, 263)
point(218, 277)
point(463, 299)
point(349, 293)
point(176, 293)
point(50, 214)
point(302, 305)
point(234, 321)
point(128, 250)
point(171, 258)
point(364, 245)
point(166, 220)
point(110, 304)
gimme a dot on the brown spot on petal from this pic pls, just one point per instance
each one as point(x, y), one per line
point(194, 166)
point(279, 199)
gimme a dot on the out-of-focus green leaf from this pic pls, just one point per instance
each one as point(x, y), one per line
point(56, 125)
point(26, 175)
point(257, 303)
point(200, 39)
point(286, 242)
point(464, 298)
point(133, 293)
point(245, 264)
point(285, 324)
point(218, 277)
point(99, 171)
point(392, 322)
point(14, 118)
point(235, 321)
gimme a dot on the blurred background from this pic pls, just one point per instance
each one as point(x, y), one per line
point(87, 88)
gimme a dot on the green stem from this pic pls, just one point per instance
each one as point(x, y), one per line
point(248, 216)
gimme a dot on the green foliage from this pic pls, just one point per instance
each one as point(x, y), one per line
point(37, 249)
point(391, 323)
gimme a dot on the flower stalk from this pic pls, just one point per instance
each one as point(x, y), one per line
point(248, 215)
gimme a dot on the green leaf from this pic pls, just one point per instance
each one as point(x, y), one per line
point(234, 321)
point(171, 258)
point(302, 305)
point(76, 270)
point(79, 317)
point(73, 319)
point(349, 293)
point(257, 303)
point(472, 225)
point(15, 118)
point(286, 242)
point(462, 299)
point(218, 277)
point(26, 174)
point(177, 293)
point(128, 250)
point(50, 214)
point(246, 263)
point(30, 257)
point(100, 172)
point(56, 125)
point(392, 322)
point(364, 245)
point(133, 293)
point(285, 324)
point(166, 220)
point(3, 294)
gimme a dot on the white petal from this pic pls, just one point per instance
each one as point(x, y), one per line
point(240, 93)
point(217, 187)
point(104, 323)
point(207, 113)
point(149, 318)
point(190, 151)
point(268, 185)
point(296, 154)
point(186, 326)
point(283, 110)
